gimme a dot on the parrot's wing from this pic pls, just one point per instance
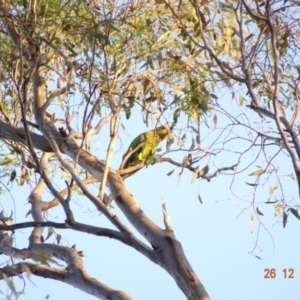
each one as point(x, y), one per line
point(135, 148)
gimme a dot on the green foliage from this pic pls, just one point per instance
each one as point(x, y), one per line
point(178, 63)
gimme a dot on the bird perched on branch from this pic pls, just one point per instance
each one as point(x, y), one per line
point(143, 147)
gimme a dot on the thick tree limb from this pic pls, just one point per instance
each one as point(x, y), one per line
point(79, 280)
point(17, 134)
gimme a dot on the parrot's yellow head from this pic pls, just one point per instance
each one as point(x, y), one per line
point(163, 131)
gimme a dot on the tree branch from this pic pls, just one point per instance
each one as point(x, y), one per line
point(123, 237)
point(78, 279)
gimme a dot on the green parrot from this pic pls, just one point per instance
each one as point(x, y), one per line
point(148, 142)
